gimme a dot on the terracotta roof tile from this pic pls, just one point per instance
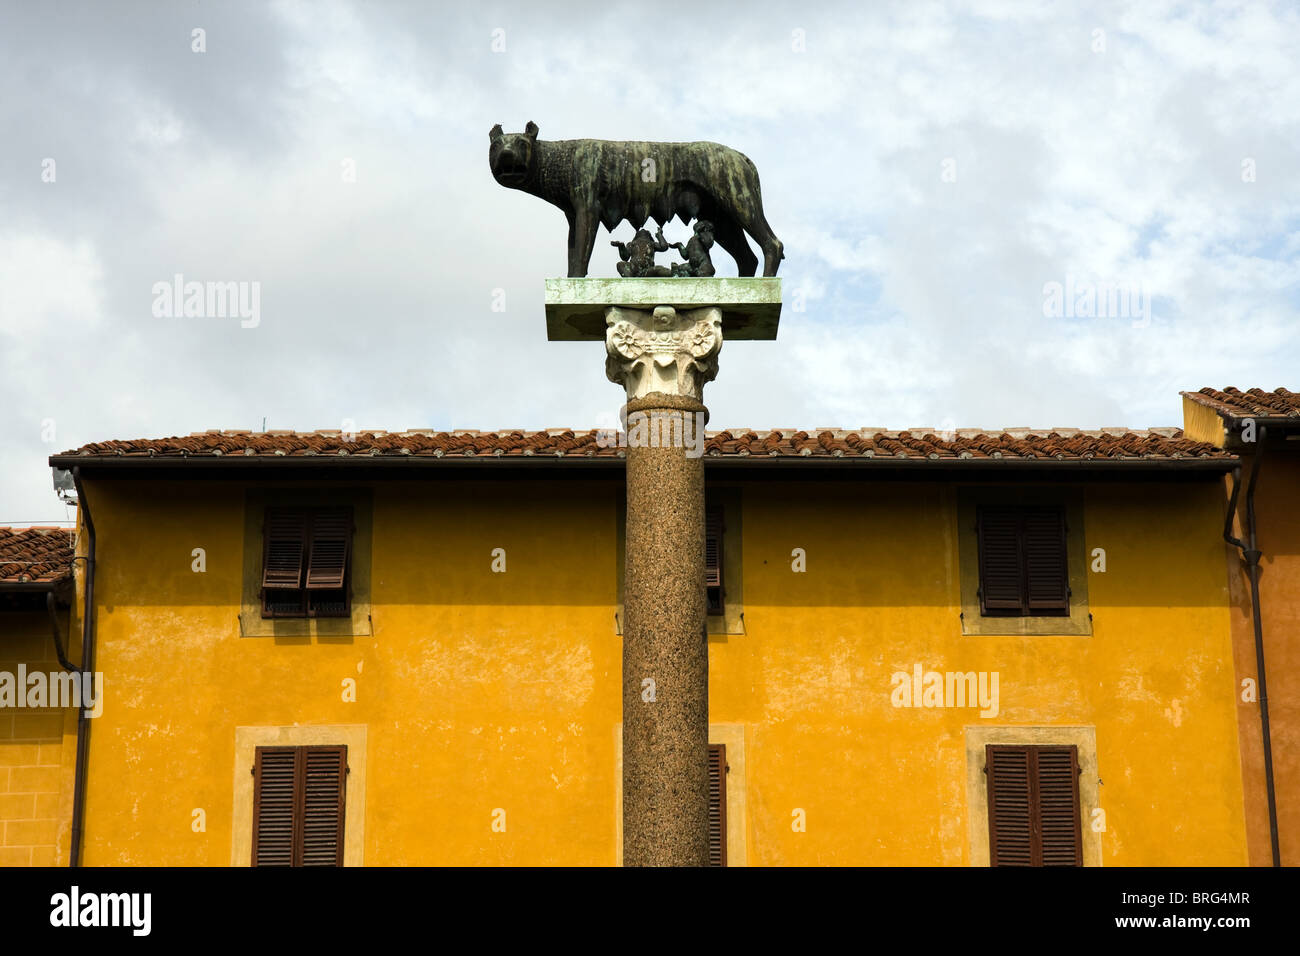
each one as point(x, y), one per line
point(916, 445)
point(35, 555)
point(1252, 403)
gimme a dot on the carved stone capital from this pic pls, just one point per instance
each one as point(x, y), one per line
point(669, 351)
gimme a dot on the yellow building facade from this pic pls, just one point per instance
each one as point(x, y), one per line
point(475, 681)
point(38, 735)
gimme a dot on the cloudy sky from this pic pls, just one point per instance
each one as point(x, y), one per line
point(932, 169)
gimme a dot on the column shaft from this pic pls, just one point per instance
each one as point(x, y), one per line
point(666, 722)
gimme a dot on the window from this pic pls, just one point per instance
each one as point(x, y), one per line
point(726, 797)
point(717, 804)
point(723, 561)
point(298, 812)
point(306, 562)
point(1022, 559)
point(713, 579)
point(1022, 562)
point(1033, 806)
point(302, 599)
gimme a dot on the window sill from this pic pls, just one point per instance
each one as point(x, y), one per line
point(733, 622)
point(730, 622)
point(1079, 623)
point(252, 624)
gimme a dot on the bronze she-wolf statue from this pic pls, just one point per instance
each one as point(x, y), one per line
point(601, 181)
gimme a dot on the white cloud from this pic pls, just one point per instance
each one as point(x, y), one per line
point(46, 282)
point(923, 296)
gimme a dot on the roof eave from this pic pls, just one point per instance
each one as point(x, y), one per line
point(54, 584)
point(197, 462)
point(1233, 415)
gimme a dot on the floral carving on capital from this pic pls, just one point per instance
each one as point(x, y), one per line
point(663, 350)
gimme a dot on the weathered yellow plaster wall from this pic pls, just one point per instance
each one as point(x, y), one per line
point(479, 691)
point(884, 785)
point(37, 750)
point(485, 692)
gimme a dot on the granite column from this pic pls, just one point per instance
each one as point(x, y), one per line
point(663, 358)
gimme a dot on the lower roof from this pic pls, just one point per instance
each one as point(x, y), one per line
point(918, 447)
point(36, 558)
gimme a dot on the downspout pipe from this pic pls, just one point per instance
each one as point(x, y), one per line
point(1250, 556)
point(87, 672)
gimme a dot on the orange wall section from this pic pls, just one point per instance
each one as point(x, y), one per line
point(1278, 537)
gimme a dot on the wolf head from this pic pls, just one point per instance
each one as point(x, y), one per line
point(513, 156)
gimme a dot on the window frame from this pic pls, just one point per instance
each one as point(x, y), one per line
point(312, 534)
point(1034, 779)
point(1022, 515)
point(257, 498)
point(731, 618)
point(715, 527)
point(1082, 737)
point(718, 807)
point(299, 812)
point(732, 736)
point(1071, 500)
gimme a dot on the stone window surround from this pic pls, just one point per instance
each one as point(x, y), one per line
point(732, 736)
point(732, 620)
point(248, 739)
point(251, 622)
point(977, 787)
point(1071, 499)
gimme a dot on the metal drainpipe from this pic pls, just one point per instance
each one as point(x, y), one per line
point(1250, 555)
point(87, 668)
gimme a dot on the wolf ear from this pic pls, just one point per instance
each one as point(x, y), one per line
point(531, 130)
point(495, 133)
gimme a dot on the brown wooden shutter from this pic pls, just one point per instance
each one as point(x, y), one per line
point(324, 789)
point(331, 542)
point(284, 545)
point(713, 528)
point(1000, 560)
point(1011, 840)
point(1034, 806)
point(274, 806)
point(1047, 579)
point(1058, 802)
point(298, 806)
point(717, 804)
